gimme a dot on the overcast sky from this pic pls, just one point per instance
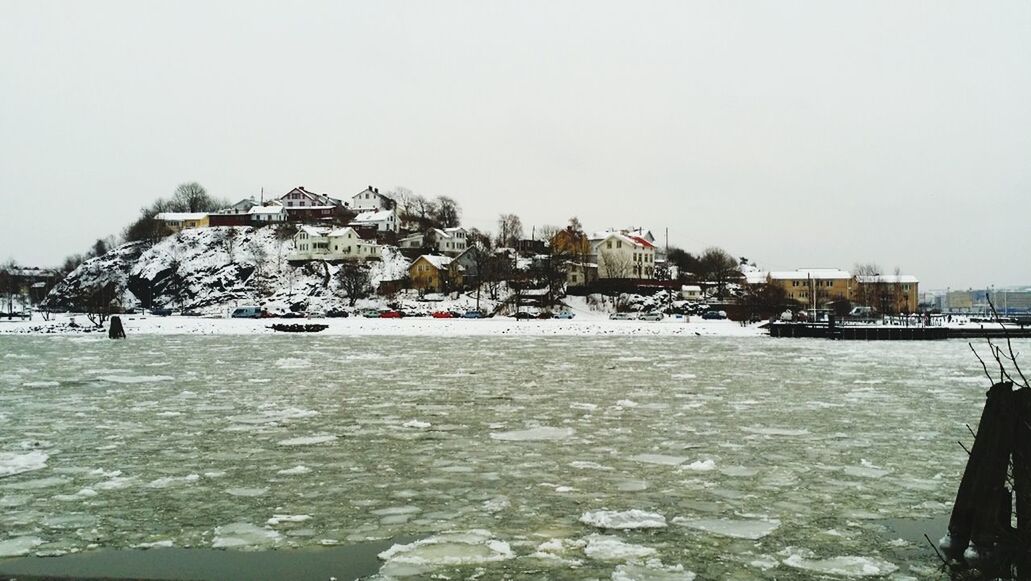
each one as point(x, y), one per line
point(798, 134)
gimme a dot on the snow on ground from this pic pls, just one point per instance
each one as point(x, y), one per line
point(598, 324)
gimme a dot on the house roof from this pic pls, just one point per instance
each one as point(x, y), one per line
point(888, 279)
point(323, 199)
point(813, 273)
point(691, 288)
point(439, 262)
point(635, 240)
point(379, 216)
point(276, 208)
point(180, 216)
point(315, 230)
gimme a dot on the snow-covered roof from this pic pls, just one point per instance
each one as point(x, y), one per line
point(691, 288)
point(180, 216)
point(314, 230)
point(276, 208)
point(440, 262)
point(887, 279)
point(755, 276)
point(454, 229)
point(379, 216)
point(813, 273)
point(633, 240)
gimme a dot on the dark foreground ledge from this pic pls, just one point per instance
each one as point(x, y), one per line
point(319, 563)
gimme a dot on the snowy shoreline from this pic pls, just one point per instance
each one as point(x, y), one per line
point(414, 326)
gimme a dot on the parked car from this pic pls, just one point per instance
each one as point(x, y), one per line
point(191, 313)
point(443, 315)
point(545, 315)
point(164, 312)
point(390, 314)
point(521, 315)
point(472, 315)
point(247, 313)
point(337, 314)
point(714, 315)
point(622, 316)
point(291, 315)
point(565, 315)
point(653, 316)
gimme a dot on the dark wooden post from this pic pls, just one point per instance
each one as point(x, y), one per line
point(116, 331)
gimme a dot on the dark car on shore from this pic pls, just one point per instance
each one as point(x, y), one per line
point(337, 314)
point(161, 312)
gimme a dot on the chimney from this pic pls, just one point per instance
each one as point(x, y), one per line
point(376, 190)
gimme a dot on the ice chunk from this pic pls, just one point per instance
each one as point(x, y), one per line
point(662, 459)
point(776, 431)
point(738, 529)
point(585, 465)
point(295, 471)
point(288, 518)
point(609, 548)
point(851, 566)
point(247, 492)
point(12, 463)
point(629, 519)
point(866, 470)
point(308, 440)
point(651, 570)
point(19, 546)
point(701, 466)
point(173, 480)
point(242, 534)
point(41, 384)
point(534, 434)
point(416, 424)
point(292, 363)
point(129, 379)
point(449, 548)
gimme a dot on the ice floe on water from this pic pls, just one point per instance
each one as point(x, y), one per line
point(295, 471)
point(651, 570)
point(246, 492)
point(12, 463)
point(700, 466)
point(776, 431)
point(308, 440)
point(866, 470)
point(278, 519)
point(735, 528)
point(39, 384)
point(243, 534)
point(610, 548)
point(416, 424)
point(849, 566)
point(662, 459)
point(534, 434)
point(132, 379)
point(293, 363)
point(474, 547)
point(19, 546)
point(627, 519)
point(168, 481)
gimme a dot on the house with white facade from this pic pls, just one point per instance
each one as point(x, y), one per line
point(449, 241)
point(304, 205)
point(371, 200)
point(321, 243)
point(381, 221)
point(621, 255)
point(273, 213)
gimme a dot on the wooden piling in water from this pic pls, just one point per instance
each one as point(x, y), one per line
point(116, 331)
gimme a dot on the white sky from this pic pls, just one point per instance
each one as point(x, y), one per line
point(798, 134)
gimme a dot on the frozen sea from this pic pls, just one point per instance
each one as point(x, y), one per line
point(529, 457)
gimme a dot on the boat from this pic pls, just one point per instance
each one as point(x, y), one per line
point(299, 328)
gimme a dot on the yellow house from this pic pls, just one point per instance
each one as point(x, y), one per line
point(176, 221)
point(814, 286)
point(888, 293)
point(435, 273)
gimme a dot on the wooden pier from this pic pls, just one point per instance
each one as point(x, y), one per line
point(894, 332)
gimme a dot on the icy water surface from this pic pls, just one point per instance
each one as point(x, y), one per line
point(576, 457)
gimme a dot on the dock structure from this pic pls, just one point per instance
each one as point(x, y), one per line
point(893, 332)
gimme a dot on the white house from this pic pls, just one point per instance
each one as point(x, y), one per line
point(370, 200)
point(691, 292)
point(273, 213)
point(449, 241)
point(620, 255)
point(319, 243)
point(382, 220)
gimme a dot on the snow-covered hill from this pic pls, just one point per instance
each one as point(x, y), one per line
point(211, 270)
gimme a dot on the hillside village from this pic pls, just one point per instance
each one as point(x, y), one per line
point(304, 252)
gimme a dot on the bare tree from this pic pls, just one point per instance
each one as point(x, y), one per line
point(354, 281)
point(192, 197)
point(447, 213)
point(719, 268)
point(510, 230)
point(9, 283)
point(228, 238)
point(615, 264)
